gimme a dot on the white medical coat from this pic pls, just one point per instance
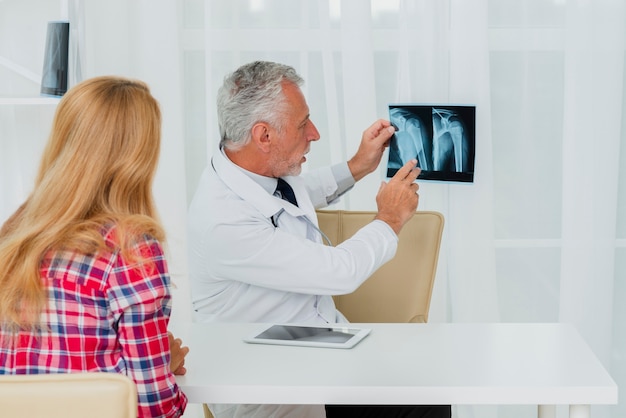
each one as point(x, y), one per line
point(254, 257)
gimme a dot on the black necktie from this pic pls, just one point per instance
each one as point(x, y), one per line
point(286, 192)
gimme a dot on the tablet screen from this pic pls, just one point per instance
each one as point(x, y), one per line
point(314, 336)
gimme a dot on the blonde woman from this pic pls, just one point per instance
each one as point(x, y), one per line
point(84, 284)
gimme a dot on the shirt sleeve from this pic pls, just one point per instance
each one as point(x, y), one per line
point(140, 299)
point(326, 185)
point(251, 250)
point(344, 180)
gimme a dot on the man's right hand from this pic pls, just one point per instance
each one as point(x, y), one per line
point(397, 200)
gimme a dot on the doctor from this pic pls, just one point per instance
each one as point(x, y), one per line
point(255, 256)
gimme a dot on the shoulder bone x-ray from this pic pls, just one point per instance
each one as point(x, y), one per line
point(440, 137)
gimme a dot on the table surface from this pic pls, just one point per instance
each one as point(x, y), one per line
point(497, 364)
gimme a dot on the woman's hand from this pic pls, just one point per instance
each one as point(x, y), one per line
point(177, 355)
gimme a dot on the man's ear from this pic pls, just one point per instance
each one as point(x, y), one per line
point(261, 136)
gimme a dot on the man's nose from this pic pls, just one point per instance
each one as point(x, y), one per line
point(313, 134)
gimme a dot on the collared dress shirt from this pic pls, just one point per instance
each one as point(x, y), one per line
point(254, 257)
point(104, 314)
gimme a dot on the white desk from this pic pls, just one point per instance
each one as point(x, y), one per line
point(458, 364)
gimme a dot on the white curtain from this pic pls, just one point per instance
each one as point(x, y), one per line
point(539, 236)
point(535, 237)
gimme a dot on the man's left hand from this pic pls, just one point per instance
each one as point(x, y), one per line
point(373, 143)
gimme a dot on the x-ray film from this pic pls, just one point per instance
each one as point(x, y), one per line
point(441, 137)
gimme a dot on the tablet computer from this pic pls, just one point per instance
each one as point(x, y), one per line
point(440, 136)
point(329, 336)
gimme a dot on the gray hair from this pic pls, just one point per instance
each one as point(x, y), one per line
point(251, 94)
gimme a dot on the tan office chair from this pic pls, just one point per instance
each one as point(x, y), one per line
point(400, 290)
point(207, 411)
point(68, 395)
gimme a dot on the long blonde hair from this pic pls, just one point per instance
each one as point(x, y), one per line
point(96, 170)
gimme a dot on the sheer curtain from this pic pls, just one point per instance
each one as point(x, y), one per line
point(593, 74)
point(557, 100)
point(536, 237)
point(540, 236)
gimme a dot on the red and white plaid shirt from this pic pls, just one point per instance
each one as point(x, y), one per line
point(106, 315)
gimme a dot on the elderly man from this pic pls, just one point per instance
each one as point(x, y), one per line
point(256, 253)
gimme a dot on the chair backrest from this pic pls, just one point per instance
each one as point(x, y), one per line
point(400, 290)
point(68, 395)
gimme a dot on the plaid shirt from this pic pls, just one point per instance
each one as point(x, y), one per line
point(105, 315)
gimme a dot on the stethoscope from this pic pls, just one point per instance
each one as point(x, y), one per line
point(274, 219)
